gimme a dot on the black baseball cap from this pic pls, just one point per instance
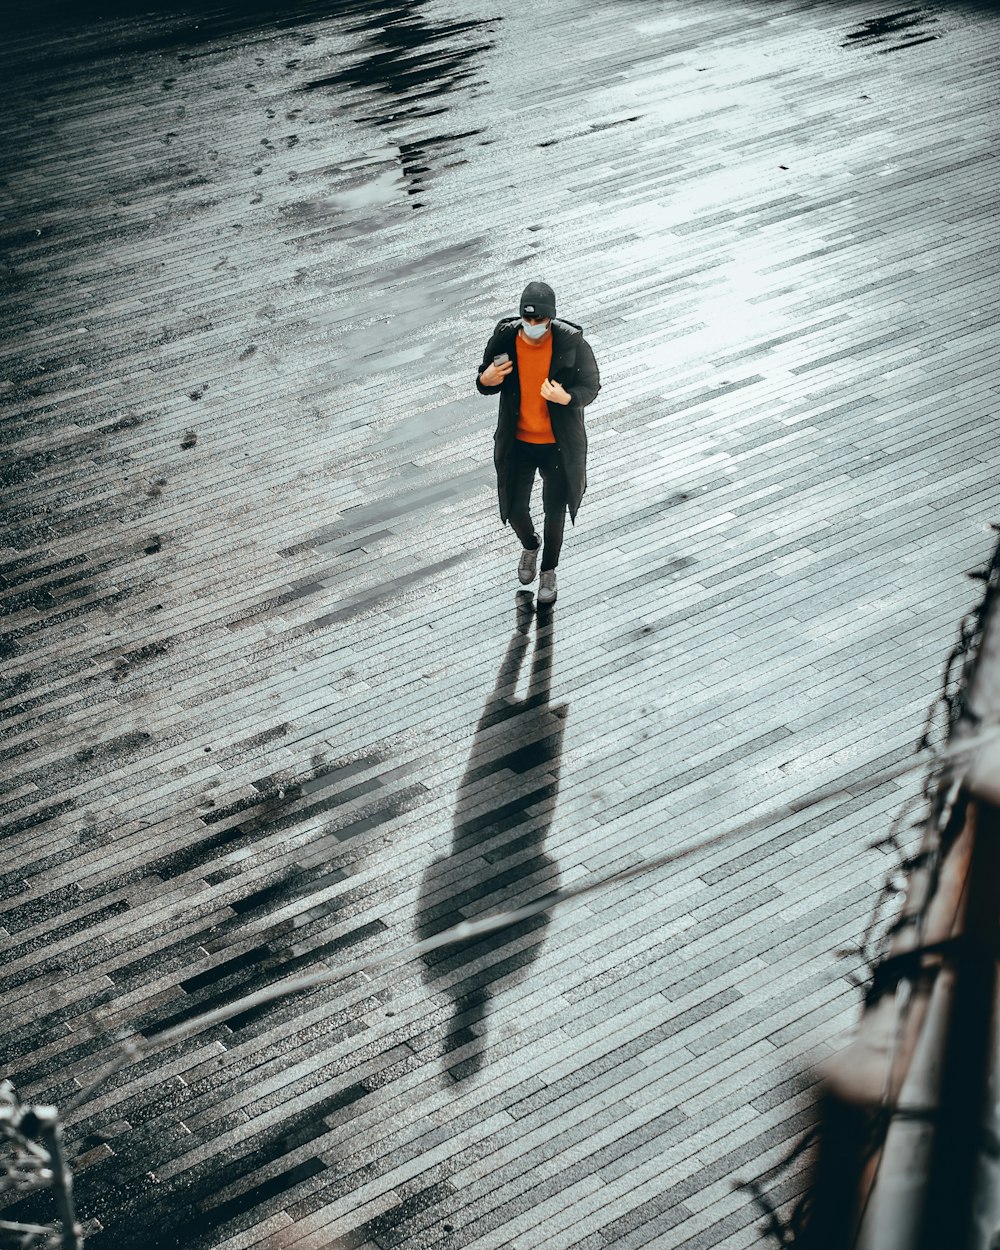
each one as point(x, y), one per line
point(538, 300)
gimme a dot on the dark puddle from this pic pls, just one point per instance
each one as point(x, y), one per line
point(506, 801)
point(107, 30)
point(410, 60)
point(253, 969)
point(140, 1213)
point(594, 128)
point(272, 795)
point(409, 67)
point(877, 31)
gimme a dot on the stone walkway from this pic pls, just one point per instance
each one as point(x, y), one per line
point(269, 701)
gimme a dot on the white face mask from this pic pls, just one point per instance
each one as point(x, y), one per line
point(534, 331)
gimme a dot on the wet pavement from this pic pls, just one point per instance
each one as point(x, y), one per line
point(269, 700)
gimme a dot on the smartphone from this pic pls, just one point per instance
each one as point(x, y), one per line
point(501, 359)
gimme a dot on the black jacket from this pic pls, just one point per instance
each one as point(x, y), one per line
point(574, 367)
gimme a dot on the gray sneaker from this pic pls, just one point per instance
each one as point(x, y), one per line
point(547, 587)
point(527, 565)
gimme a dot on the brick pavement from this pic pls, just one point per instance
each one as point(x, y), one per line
point(264, 701)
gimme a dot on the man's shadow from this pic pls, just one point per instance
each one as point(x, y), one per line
point(506, 801)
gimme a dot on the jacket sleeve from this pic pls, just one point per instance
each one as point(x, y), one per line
point(488, 354)
point(588, 379)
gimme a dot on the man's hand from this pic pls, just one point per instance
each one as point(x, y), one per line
point(556, 392)
point(493, 375)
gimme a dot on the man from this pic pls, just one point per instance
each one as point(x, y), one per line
point(546, 375)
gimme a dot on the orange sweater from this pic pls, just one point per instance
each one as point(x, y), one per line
point(533, 363)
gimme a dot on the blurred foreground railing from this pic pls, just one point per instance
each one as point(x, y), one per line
point(32, 1160)
point(909, 1142)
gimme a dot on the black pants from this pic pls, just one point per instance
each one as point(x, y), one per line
point(545, 458)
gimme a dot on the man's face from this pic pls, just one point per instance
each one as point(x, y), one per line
point(534, 321)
